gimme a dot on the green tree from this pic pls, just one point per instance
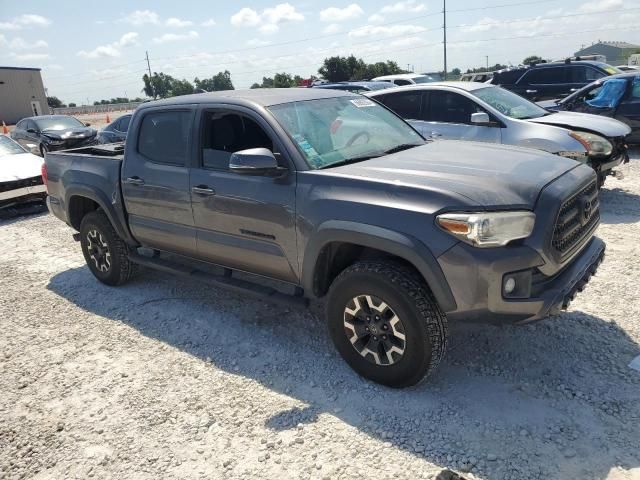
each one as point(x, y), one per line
point(54, 102)
point(220, 81)
point(158, 85)
point(532, 59)
point(180, 87)
point(72, 105)
point(341, 69)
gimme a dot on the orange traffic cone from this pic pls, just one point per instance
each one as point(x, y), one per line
point(5, 130)
point(108, 119)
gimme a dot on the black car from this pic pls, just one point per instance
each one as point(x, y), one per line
point(544, 81)
point(116, 131)
point(617, 96)
point(53, 132)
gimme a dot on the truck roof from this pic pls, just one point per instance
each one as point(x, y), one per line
point(258, 96)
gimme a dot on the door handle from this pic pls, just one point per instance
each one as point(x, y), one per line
point(531, 91)
point(134, 181)
point(203, 190)
point(575, 89)
point(435, 135)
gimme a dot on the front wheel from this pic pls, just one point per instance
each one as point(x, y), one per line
point(386, 323)
point(43, 149)
point(104, 251)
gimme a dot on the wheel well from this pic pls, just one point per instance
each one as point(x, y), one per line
point(78, 208)
point(336, 256)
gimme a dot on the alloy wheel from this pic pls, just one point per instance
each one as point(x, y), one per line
point(98, 250)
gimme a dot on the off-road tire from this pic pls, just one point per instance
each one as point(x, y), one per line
point(121, 269)
point(403, 290)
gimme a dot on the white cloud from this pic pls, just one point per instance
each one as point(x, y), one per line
point(111, 50)
point(405, 6)
point(331, 28)
point(52, 66)
point(600, 6)
point(246, 17)
point(25, 20)
point(30, 56)
point(482, 25)
point(142, 17)
point(21, 44)
point(335, 14)
point(175, 37)
point(376, 18)
point(385, 31)
point(178, 23)
point(209, 23)
point(269, 20)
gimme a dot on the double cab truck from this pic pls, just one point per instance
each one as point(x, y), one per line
point(330, 194)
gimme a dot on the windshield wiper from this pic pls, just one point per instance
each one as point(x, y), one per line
point(400, 148)
point(348, 161)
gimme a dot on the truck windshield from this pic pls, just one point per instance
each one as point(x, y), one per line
point(335, 131)
point(9, 147)
point(509, 104)
point(61, 122)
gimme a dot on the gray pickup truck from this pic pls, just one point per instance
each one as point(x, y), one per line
point(332, 195)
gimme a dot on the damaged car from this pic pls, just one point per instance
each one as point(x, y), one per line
point(48, 133)
point(20, 176)
point(487, 113)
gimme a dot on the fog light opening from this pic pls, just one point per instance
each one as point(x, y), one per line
point(509, 285)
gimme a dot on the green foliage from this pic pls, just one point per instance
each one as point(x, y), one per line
point(220, 81)
point(280, 80)
point(54, 102)
point(493, 68)
point(532, 59)
point(72, 105)
point(342, 69)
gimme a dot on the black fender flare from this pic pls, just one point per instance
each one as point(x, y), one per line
point(114, 214)
point(397, 244)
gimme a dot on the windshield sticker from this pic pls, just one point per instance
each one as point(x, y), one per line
point(311, 153)
point(363, 102)
point(611, 71)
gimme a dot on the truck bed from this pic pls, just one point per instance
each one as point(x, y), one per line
point(110, 150)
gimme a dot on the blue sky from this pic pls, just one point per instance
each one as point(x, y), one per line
point(88, 53)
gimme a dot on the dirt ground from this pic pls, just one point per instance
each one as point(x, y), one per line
point(169, 378)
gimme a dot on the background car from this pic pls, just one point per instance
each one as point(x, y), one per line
point(402, 79)
point(53, 132)
point(481, 77)
point(545, 81)
point(356, 87)
point(617, 97)
point(628, 68)
point(486, 113)
point(116, 131)
point(20, 176)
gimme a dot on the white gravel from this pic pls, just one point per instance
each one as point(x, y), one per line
point(167, 378)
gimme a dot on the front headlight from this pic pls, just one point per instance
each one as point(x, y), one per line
point(490, 229)
point(53, 141)
point(595, 145)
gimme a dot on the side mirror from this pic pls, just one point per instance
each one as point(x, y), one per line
point(255, 161)
point(31, 130)
point(87, 124)
point(480, 118)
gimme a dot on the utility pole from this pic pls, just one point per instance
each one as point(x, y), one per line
point(487, 57)
point(444, 13)
point(150, 79)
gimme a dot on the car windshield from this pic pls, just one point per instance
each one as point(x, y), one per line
point(333, 131)
point(509, 104)
point(58, 123)
point(423, 79)
point(9, 147)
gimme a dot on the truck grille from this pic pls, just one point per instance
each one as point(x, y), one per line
point(578, 218)
point(16, 184)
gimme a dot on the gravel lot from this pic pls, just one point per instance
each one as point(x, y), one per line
point(168, 378)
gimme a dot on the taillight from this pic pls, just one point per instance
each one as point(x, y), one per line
point(45, 179)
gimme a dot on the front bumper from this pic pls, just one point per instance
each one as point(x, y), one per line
point(476, 279)
point(25, 194)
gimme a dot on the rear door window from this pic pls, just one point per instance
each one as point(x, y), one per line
point(164, 136)
point(545, 76)
point(405, 104)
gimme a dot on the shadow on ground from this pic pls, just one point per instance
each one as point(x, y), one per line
point(554, 399)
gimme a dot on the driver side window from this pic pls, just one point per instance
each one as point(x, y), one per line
point(224, 133)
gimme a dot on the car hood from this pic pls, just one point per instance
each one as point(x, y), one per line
point(68, 133)
point(606, 126)
point(492, 176)
point(19, 167)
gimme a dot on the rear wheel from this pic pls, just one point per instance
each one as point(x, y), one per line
point(385, 323)
point(104, 251)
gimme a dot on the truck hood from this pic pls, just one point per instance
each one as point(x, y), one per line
point(606, 126)
point(489, 175)
point(19, 167)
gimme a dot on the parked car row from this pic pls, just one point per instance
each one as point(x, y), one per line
point(332, 195)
